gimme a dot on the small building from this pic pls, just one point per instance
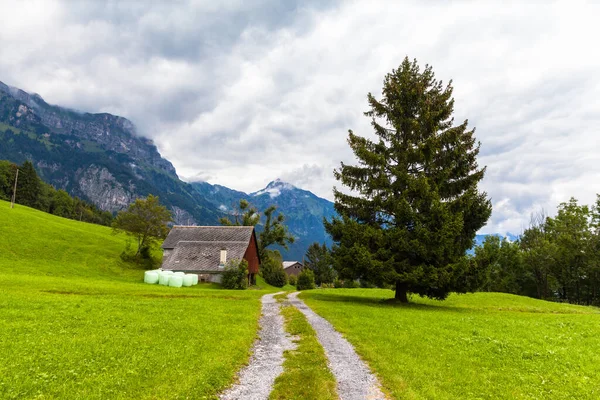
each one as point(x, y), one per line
point(206, 250)
point(292, 267)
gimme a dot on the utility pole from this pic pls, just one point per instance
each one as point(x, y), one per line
point(14, 196)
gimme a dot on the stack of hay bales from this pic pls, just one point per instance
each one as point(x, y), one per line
point(170, 278)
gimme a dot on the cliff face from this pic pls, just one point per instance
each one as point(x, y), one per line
point(98, 157)
point(101, 158)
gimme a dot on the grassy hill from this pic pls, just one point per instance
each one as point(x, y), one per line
point(77, 322)
point(474, 346)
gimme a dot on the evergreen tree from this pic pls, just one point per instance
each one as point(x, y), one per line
point(29, 186)
point(415, 207)
point(318, 260)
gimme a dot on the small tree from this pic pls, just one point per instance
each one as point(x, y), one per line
point(235, 275)
point(292, 280)
point(146, 220)
point(306, 280)
point(272, 272)
point(274, 232)
point(318, 260)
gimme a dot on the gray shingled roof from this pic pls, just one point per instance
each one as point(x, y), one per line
point(203, 256)
point(207, 234)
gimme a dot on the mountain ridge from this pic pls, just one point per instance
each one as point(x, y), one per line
point(102, 158)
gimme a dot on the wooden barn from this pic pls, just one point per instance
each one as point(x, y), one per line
point(206, 250)
point(292, 267)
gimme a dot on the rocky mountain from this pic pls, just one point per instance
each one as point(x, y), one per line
point(303, 210)
point(102, 159)
point(98, 157)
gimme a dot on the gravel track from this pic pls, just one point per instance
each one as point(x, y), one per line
point(354, 379)
point(255, 381)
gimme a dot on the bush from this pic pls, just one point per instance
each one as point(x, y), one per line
point(347, 284)
point(235, 275)
point(273, 273)
point(306, 280)
point(144, 259)
point(292, 280)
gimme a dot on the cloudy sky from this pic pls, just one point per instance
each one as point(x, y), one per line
point(243, 92)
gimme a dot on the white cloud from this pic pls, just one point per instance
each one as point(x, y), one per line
point(245, 93)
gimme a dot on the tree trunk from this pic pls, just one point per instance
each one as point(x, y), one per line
point(401, 292)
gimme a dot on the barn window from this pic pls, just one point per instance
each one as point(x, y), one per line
point(223, 256)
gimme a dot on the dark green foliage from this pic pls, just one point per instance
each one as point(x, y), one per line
point(306, 280)
point(502, 266)
point(47, 199)
point(235, 275)
point(146, 220)
point(272, 271)
point(292, 280)
point(418, 207)
point(29, 186)
point(318, 260)
point(555, 258)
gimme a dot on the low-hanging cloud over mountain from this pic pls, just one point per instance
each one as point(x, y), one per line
point(244, 92)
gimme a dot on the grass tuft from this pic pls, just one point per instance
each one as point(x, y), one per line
point(306, 374)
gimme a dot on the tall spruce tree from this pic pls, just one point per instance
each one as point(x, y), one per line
point(29, 186)
point(414, 206)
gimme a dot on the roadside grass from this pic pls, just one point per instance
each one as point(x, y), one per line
point(77, 322)
point(474, 346)
point(306, 374)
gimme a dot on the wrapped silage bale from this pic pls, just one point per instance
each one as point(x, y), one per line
point(169, 272)
point(195, 276)
point(150, 277)
point(188, 280)
point(176, 280)
point(163, 278)
point(179, 273)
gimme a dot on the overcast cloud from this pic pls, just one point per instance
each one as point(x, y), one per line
point(245, 92)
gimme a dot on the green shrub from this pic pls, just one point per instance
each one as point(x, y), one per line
point(306, 280)
point(235, 275)
point(350, 284)
point(144, 259)
point(338, 284)
point(292, 280)
point(273, 273)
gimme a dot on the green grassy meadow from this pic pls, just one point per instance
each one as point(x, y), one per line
point(474, 346)
point(77, 322)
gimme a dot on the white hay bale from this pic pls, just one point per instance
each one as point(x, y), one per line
point(163, 279)
point(195, 276)
point(175, 280)
point(150, 277)
point(188, 280)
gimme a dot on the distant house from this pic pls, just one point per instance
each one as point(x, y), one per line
point(292, 267)
point(206, 250)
